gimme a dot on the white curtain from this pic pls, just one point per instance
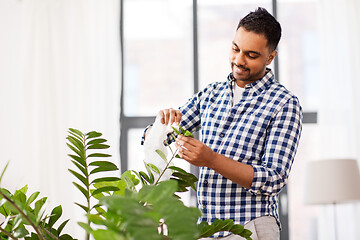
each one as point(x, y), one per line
point(59, 68)
point(339, 114)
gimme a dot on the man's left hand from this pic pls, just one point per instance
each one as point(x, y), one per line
point(195, 151)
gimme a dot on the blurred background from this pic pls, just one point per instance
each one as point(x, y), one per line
point(111, 65)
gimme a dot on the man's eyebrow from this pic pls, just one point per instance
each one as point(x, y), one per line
point(254, 52)
point(250, 51)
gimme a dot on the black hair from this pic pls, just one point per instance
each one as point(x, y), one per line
point(262, 22)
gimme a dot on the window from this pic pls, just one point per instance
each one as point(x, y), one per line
point(299, 65)
point(157, 69)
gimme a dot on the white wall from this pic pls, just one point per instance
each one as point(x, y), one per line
point(59, 68)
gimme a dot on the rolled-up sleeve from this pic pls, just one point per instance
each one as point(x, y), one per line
point(281, 144)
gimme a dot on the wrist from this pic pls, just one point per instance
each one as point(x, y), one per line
point(211, 163)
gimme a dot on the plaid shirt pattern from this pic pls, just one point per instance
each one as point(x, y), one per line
point(262, 130)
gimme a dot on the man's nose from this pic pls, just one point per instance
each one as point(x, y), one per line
point(239, 59)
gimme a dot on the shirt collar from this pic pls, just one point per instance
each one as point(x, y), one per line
point(259, 85)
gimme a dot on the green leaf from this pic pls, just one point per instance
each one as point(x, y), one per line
point(61, 227)
point(76, 143)
point(237, 229)
point(182, 130)
point(144, 176)
point(224, 225)
point(100, 210)
point(182, 185)
point(152, 194)
point(80, 177)
point(40, 215)
point(39, 204)
point(78, 159)
point(93, 134)
point(185, 176)
point(177, 169)
point(96, 141)
point(81, 168)
point(218, 226)
point(55, 215)
point(105, 179)
point(86, 227)
point(80, 138)
point(3, 171)
point(20, 232)
point(143, 182)
point(99, 155)
point(153, 168)
point(188, 134)
point(151, 175)
point(20, 197)
point(102, 234)
point(104, 164)
point(104, 169)
point(32, 198)
point(129, 184)
point(86, 209)
point(132, 177)
point(98, 146)
point(246, 234)
point(76, 132)
point(95, 218)
point(104, 189)
point(83, 190)
point(176, 131)
point(23, 189)
point(66, 237)
point(18, 221)
point(161, 154)
point(75, 150)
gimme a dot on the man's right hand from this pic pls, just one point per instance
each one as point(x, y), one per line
point(169, 116)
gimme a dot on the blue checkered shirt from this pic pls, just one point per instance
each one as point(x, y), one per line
point(261, 130)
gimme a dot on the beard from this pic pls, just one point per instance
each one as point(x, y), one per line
point(244, 74)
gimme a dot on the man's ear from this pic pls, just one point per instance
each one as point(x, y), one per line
point(271, 57)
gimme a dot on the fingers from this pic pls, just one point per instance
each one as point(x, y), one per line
point(188, 142)
point(183, 151)
point(169, 116)
point(185, 145)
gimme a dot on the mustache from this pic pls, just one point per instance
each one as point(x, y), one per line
point(240, 66)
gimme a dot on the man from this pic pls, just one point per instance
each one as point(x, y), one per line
point(250, 129)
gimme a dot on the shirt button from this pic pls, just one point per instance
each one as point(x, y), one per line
point(222, 135)
point(205, 182)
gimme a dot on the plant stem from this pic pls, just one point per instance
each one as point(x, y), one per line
point(41, 237)
point(166, 167)
point(87, 236)
point(50, 234)
point(7, 233)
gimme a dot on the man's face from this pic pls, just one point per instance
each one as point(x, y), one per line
point(249, 56)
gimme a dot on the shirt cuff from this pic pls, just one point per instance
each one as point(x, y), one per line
point(260, 179)
point(144, 134)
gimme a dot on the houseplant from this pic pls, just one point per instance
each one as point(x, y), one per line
point(134, 206)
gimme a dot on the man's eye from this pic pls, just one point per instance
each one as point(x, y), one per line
point(235, 49)
point(252, 56)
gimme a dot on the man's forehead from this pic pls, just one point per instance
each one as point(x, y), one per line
point(250, 40)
